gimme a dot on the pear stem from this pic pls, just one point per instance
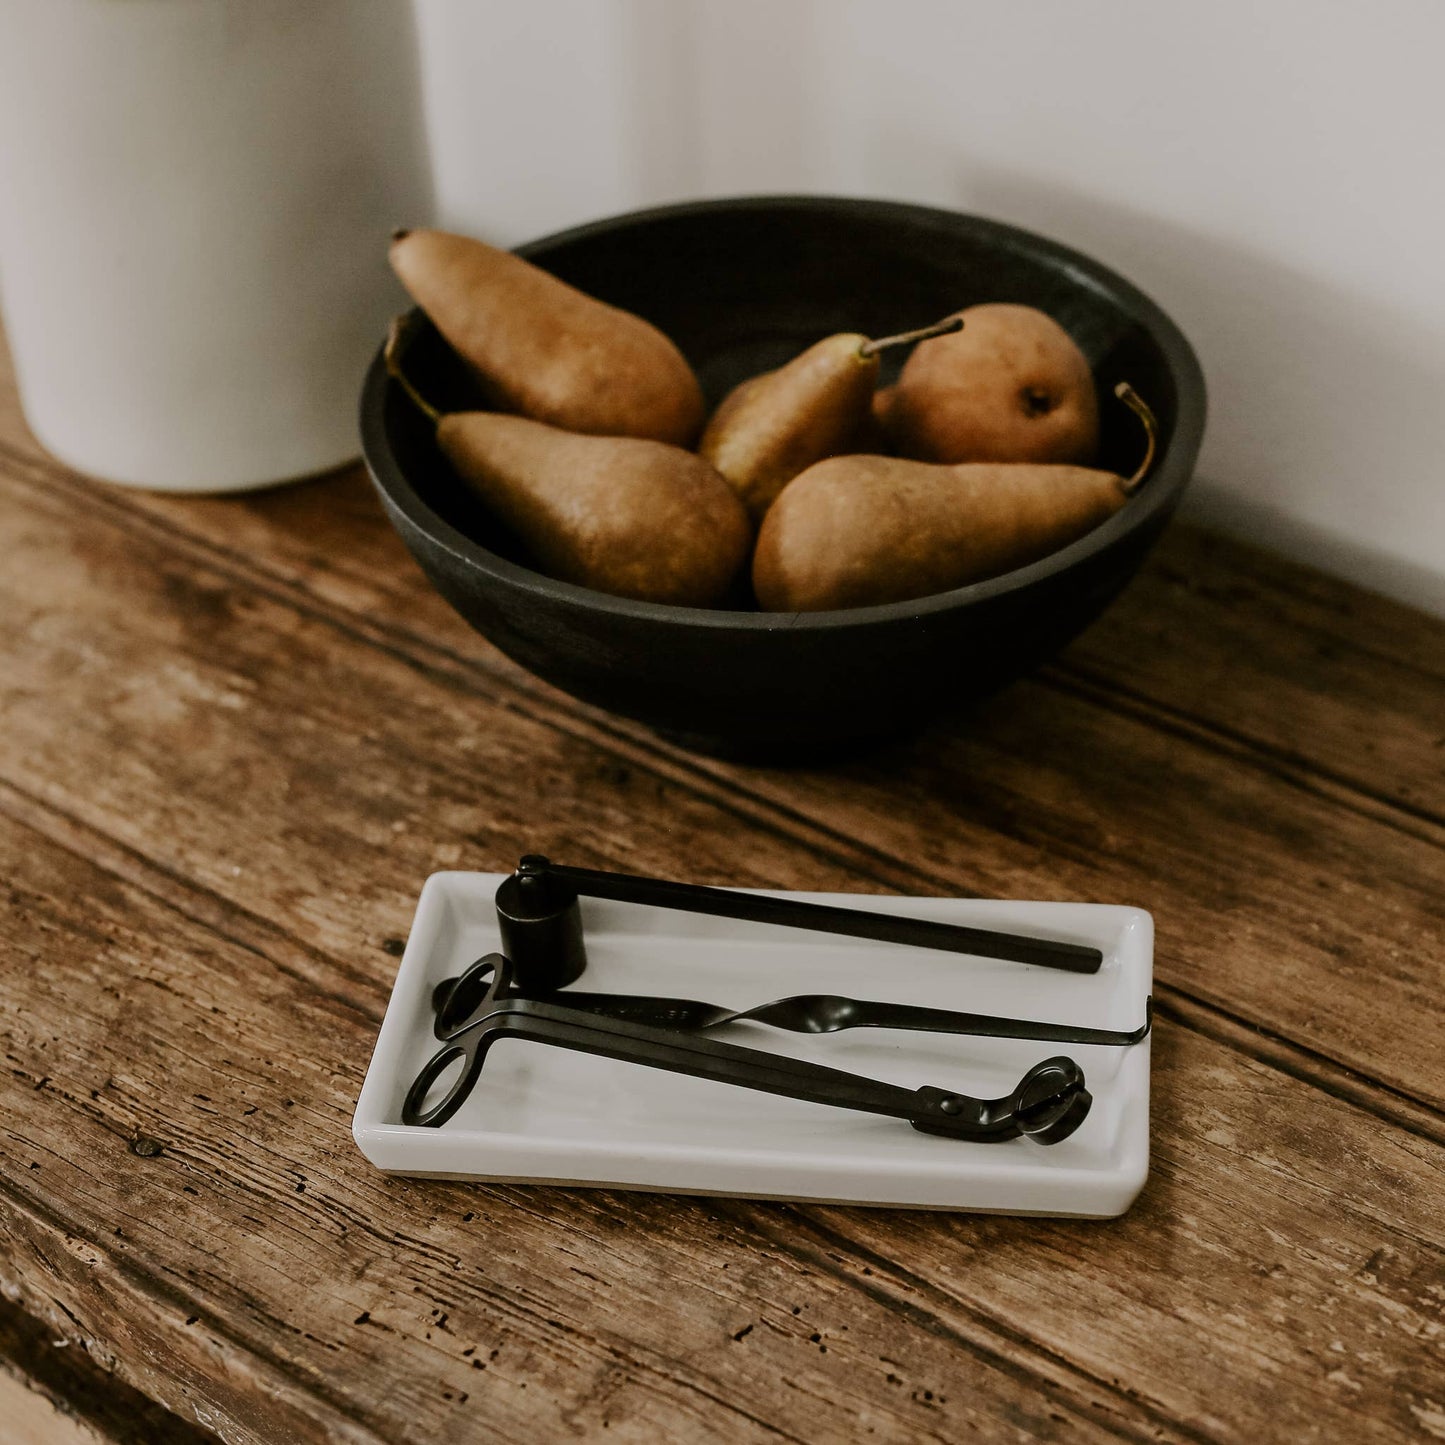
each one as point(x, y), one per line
point(395, 336)
point(924, 333)
point(1141, 409)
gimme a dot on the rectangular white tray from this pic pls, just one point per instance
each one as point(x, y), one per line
point(545, 1115)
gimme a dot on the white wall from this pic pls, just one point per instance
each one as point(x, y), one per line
point(1273, 174)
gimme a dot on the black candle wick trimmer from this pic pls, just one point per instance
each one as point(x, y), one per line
point(484, 1005)
point(541, 922)
point(515, 994)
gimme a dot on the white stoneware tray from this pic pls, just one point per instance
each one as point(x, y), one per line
point(545, 1115)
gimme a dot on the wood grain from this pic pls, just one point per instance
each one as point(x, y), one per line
point(1045, 793)
point(236, 735)
point(53, 1393)
point(274, 1240)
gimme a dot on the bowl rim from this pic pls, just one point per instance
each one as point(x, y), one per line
point(1172, 470)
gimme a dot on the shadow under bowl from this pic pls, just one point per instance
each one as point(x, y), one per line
point(741, 286)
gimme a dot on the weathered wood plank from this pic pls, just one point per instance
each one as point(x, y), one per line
point(1281, 1277)
point(204, 681)
point(287, 767)
point(1273, 903)
point(1317, 674)
point(258, 1252)
point(53, 1393)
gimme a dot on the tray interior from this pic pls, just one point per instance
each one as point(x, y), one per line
point(536, 1103)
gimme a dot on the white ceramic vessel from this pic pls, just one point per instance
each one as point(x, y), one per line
point(546, 1115)
point(195, 200)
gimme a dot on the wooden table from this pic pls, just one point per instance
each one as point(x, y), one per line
point(236, 735)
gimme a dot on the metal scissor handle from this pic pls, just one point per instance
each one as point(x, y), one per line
point(1049, 1103)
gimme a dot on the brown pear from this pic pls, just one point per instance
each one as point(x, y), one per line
point(882, 407)
point(624, 515)
point(1012, 386)
point(545, 350)
point(773, 426)
point(859, 530)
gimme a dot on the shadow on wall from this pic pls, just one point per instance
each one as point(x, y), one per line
point(1320, 400)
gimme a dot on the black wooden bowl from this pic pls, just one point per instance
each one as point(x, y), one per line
point(741, 286)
